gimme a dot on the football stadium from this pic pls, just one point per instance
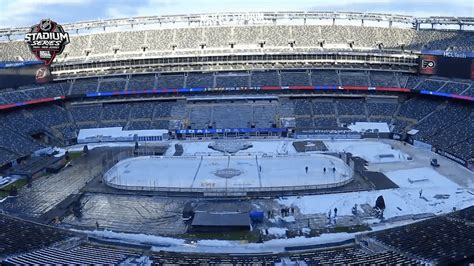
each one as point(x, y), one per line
point(257, 138)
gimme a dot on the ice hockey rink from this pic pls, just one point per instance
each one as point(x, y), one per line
point(219, 171)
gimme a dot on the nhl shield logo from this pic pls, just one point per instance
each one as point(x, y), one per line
point(46, 40)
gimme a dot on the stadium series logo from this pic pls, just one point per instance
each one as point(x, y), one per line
point(47, 40)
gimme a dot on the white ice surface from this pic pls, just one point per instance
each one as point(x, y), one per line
point(187, 172)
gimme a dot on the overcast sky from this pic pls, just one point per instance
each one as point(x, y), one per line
point(28, 12)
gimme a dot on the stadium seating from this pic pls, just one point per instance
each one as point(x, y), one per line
point(321, 107)
point(16, 143)
point(83, 254)
point(264, 115)
point(349, 255)
point(102, 46)
point(131, 42)
point(354, 79)
point(81, 86)
point(438, 240)
point(13, 97)
point(213, 37)
point(64, 122)
point(264, 78)
point(138, 125)
point(381, 108)
point(236, 79)
point(302, 107)
point(384, 79)
point(86, 113)
point(201, 116)
point(241, 116)
point(170, 81)
point(115, 112)
point(20, 236)
point(200, 80)
point(418, 108)
point(142, 110)
point(15, 51)
point(412, 81)
point(112, 84)
point(141, 82)
point(294, 78)
point(159, 40)
point(456, 88)
point(350, 107)
point(430, 85)
point(324, 77)
point(325, 122)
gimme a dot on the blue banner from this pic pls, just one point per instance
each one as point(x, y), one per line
point(230, 130)
point(19, 64)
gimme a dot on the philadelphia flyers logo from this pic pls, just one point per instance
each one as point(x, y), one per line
point(428, 64)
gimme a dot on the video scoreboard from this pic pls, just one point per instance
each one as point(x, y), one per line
point(16, 74)
point(447, 64)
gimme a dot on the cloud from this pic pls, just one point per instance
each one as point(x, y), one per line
point(27, 12)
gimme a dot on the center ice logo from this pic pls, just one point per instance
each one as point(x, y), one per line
point(228, 173)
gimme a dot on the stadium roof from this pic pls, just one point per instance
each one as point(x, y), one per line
point(245, 18)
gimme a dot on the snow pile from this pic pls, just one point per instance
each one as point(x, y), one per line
point(274, 245)
point(369, 150)
point(90, 146)
point(277, 231)
point(424, 177)
point(218, 246)
point(135, 238)
point(288, 219)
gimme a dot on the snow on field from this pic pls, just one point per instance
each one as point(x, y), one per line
point(217, 246)
point(223, 246)
point(277, 218)
point(272, 147)
point(439, 195)
point(274, 245)
point(196, 147)
point(134, 238)
point(369, 150)
point(425, 177)
point(398, 201)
